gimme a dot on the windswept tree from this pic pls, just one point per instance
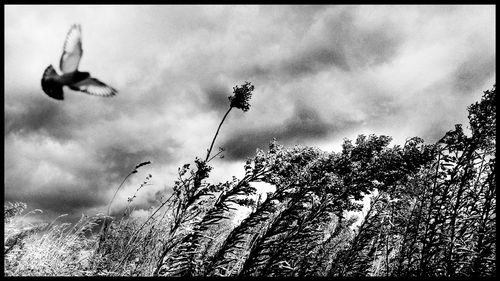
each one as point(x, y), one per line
point(444, 224)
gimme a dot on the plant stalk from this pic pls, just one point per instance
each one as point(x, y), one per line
point(216, 133)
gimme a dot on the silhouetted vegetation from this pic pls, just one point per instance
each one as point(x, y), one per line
point(432, 212)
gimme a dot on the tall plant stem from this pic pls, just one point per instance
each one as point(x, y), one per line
point(109, 205)
point(216, 133)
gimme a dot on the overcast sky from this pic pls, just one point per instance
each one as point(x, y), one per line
point(321, 74)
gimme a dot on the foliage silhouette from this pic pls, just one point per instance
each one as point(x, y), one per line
point(431, 213)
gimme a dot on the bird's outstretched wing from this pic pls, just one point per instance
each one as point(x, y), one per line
point(95, 87)
point(72, 50)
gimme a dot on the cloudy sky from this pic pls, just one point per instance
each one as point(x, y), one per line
point(321, 74)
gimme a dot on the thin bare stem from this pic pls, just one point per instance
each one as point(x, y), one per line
point(216, 133)
point(109, 205)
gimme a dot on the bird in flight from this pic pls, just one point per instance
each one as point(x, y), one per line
point(52, 82)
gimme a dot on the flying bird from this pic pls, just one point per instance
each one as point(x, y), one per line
point(52, 82)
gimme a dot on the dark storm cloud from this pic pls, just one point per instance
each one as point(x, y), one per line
point(379, 105)
point(88, 186)
point(243, 144)
point(38, 115)
point(305, 124)
point(334, 41)
point(84, 190)
point(119, 161)
point(314, 60)
point(217, 97)
point(474, 72)
point(66, 198)
point(48, 179)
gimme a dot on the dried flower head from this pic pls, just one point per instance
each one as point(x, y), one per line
point(142, 164)
point(241, 96)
